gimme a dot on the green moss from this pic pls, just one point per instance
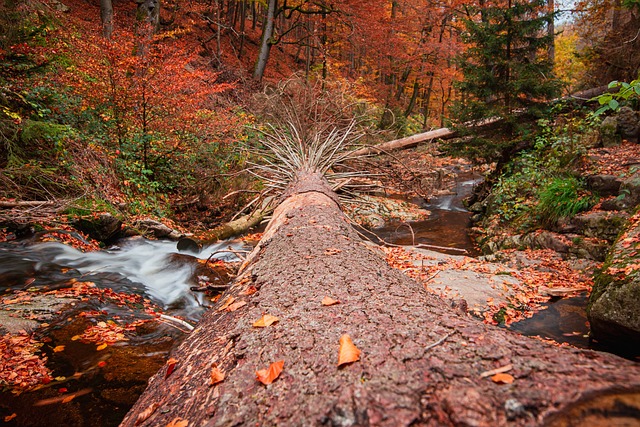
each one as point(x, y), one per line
point(87, 206)
point(34, 132)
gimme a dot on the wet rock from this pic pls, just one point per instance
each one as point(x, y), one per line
point(372, 211)
point(600, 224)
point(604, 185)
point(614, 304)
point(103, 228)
point(629, 124)
point(27, 315)
point(186, 244)
point(157, 229)
point(609, 132)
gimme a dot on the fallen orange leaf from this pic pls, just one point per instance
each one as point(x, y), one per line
point(217, 376)
point(171, 366)
point(269, 375)
point(10, 417)
point(227, 303)
point(348, 352)
point(236, 305)
point(265, 320)
point(329, 301)
point(58, 349)
point(101, 346)
point(502, 379)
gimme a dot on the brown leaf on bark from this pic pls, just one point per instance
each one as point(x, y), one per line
point(227, 303)
point(178, 422)
point(250, 290)
point(144, 415)
point(502, 379)
point(269, 375)
point(329, 301)
point(348, 352)
point(236, 305)
point(171, 366)
point(217, 376)
point(265, 320)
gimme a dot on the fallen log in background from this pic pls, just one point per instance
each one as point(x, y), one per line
point(403, 143)
point(421, 360)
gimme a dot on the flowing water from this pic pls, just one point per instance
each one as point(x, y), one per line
point(96, 386)
point(155, 269)
point(447, 227)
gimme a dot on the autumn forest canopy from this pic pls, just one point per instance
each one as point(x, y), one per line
point(158, 98)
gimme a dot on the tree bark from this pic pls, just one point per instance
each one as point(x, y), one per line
point(421, 360)
point(106, 16)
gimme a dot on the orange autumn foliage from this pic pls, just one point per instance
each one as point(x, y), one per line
point(327, 301)
point(265, 320)
point(502, 378)
point(269, 375)
point(217, 376)
point(348, 352)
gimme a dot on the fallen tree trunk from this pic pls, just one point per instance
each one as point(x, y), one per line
point(421, 360)
point(236, 227)
point(408, 142)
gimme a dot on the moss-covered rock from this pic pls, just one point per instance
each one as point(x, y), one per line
point(614, 304)
point(600, 224)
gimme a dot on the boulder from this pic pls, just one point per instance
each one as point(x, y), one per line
point(609, 132)
point(157, 229)
point(614, 303)
point(103, 228)
point(629, 124)
point(600, 224)
point(604, 185)
point(630, 192)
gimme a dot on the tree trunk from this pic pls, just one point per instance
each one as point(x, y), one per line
point(421, 360)
point(148, 14)
point(265, 43)
point(106, 16)
point(551, 31)
point(403, 143)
